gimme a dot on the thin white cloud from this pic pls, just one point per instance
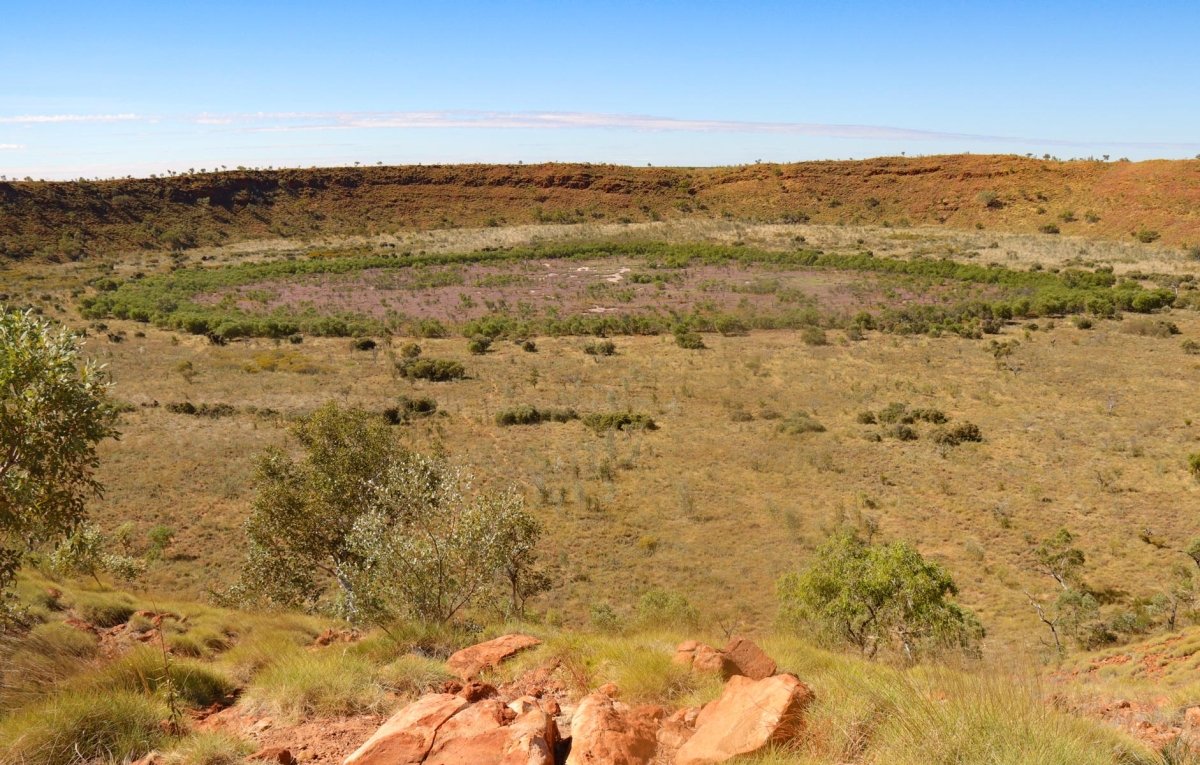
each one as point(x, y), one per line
point(460, 119)
point(302, 121)
point(283, 122)
point(11, 146)
point(45, 119)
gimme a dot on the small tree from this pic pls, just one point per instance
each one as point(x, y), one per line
point(304, 510)
point(53, 413)
point(876, 596)
point(87, 552)
point(1056, 557)
point(447, 548)
point(396, 533)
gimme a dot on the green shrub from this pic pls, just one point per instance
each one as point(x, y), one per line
point(530, 415)
point(893, 413)
point(600, 348)
point(901, 431)
point(434, 370)
point(666, 609)
point(74, 727)
point(202, 410)
point(692, 341)
point(800, 423)
point(410, 351)
point(603, 421)
point(409, 409)
point(479, 344)
point(604, 619)
point(957, 434)
point(865, 417)
point(934, 416)
point(1049, 228)
point(813, 336)
point(1194, 465)
point(1082, 322)
point(1146, 235)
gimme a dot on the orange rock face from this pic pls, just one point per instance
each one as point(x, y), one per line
point(469, 662)
point(406, 738)
point(749, 715)
point(746, 658)
point(606, 732)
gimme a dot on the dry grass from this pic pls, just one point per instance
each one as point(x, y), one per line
point(1088, 429)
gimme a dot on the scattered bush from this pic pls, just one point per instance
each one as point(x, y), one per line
point(600, 348)
point(933, 416)
point(479, 344)
point(202, 410)
point(893, 413)
point(529, 415)
point(409, 409)
point(1194, 465)
point(604, 421)
point(1147, 327)
point(957, 434)
point(1190, 347)
point(1049, 228)
point(800, 423)
point(692, 341)
point(813, 336)
point(1082, 322)
point(1146, 235)
point(410, 351)
point(529, 346)
point(865, 418)
point(901, 432)
point(434, 370)
point(363, 344)
point(666, 609)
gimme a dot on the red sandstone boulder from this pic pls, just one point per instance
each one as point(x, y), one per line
point(709, 659)
point(469, 662)
point(748, 716)
point(406, 738)
point(490, 733)
point(446, 729)
point(274, 754)
point(677, 728)
point(746, 658)
point(606, 732)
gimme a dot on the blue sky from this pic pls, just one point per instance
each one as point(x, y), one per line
point(118, 88)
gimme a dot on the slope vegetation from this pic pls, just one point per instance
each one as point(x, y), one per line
point(1158, 200)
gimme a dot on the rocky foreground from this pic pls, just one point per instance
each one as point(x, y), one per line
point(534, 721)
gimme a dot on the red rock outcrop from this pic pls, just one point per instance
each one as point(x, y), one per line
point(749, 715)
point(469, 662)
